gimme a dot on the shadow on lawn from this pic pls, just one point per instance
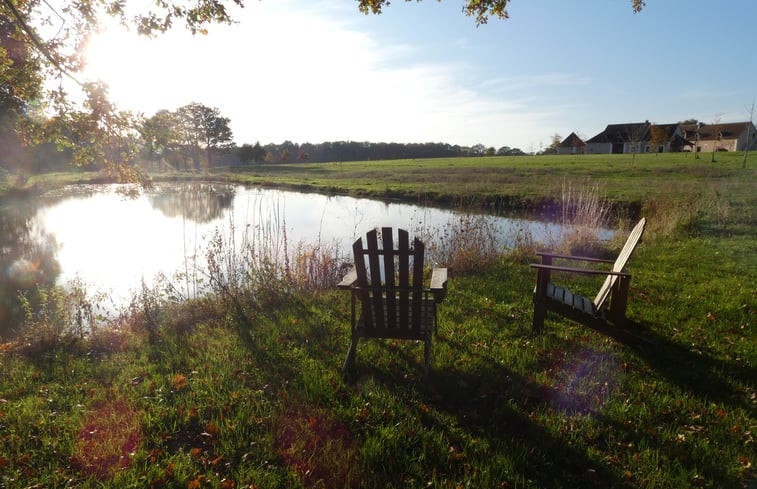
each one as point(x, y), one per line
point(696, 372)
point(492, 402)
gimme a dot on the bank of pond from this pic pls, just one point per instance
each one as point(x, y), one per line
point(113, 239)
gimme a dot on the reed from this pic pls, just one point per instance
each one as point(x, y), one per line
point(583, 215)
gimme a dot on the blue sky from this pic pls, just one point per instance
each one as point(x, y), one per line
point(319, 70)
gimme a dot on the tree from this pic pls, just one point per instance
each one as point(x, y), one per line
point(749, 134)
point(478, 150)
point(554, 144)
point(24, 28)
point(716, 136)
point(28, 59)
point(480, 9)
point(251, 154)
point(203, 127)
point(160, 134)
point(658, 136)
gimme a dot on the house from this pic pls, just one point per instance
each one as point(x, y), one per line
point(640, 137)
point(572, 145)
point(620, 138)
point(667, 138)
point(734, 136)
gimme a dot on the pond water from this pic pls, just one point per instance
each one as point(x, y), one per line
point(114, 242)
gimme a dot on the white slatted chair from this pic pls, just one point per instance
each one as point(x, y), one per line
point(597, 314)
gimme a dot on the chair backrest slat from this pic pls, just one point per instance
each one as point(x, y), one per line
point(362, 279)
point(403, 252)
point(418, 252)
point(375, 283)
point(389, 272)
point(389, 286)
point(620, 263)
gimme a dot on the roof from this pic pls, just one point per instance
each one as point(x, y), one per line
point(623, 133)
point(679, 142)
point(572, 141)
point(730, 130)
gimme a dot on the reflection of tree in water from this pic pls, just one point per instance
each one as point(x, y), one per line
point(199, 202)
point(27, 261)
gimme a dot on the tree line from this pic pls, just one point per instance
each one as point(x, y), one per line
point(196, 136)
point(43, 126)
point(289, 152)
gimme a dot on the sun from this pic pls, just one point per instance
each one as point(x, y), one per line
point(134, 67)
point(106, 54)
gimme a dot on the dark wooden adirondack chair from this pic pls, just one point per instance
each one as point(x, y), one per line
point(596, 314)
point(387, 280)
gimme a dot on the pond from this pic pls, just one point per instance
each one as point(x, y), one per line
point(113, 242)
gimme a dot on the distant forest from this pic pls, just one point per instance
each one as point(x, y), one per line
point(47, 157)
point(288, 152)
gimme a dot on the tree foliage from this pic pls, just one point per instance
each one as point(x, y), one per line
point(289, 152)
point(42, 41)
point(658, 136)
point(482, 10)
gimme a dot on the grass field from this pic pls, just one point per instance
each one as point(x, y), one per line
point(521, 181)
point(243, 389)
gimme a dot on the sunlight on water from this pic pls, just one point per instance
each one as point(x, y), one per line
point(112, 243)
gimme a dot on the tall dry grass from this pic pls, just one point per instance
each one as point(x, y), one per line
point(583, 215)
point(467, 242)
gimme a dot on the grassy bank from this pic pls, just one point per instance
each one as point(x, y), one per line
point(518, 183)
point(244, 389)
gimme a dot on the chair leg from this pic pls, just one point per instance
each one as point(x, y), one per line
point(540, 313)
point(427, 356)
point(350, 359)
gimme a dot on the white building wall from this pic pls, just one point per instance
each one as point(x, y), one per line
point(598, 148)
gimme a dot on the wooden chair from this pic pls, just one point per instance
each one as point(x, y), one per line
point(387, 280)
point(596, 314)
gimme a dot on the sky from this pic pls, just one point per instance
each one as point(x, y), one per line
point(319, 70)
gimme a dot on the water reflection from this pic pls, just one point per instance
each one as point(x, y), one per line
point(201, 203)
point(113, 243)
point(27, 261)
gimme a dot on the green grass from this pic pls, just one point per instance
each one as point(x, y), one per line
point(519, 181)
point(206, 395)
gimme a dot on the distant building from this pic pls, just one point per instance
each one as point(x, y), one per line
point(620, 138)
point(734, 136)
point(572, 145)
point(638, 137)
point(672, 137)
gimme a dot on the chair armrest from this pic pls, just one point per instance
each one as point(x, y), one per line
point(349, 280)
point(439, 283)
point(571, 257)
point(584, 271)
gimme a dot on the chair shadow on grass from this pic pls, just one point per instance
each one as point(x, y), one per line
point(491, 403)
point(693, 371)
point(484, 404)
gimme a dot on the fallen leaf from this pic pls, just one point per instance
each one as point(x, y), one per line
point(179, 382)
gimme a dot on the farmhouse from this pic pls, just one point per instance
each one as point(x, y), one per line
point(620, 138)
point(572, 145)
point(644, 137)
point(735, 136)
point(666, 138)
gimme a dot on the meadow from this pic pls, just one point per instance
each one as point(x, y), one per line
point(244, 389)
